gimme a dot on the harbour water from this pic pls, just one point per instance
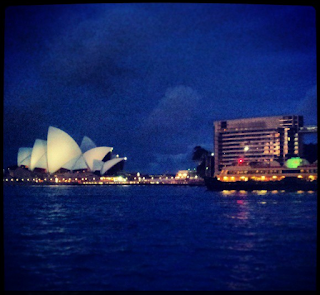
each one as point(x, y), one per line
point(74, 238)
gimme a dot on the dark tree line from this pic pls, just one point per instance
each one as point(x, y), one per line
point(200, 156)
point(310, 152)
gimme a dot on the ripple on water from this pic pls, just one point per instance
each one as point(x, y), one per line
point(164, 238)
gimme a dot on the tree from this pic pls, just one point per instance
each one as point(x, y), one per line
point(310, 152)
point(199, 156)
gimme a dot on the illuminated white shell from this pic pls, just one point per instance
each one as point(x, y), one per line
point(97, 153)
point(87, 144)
point(109, 164)
point(77, 163)
point(24, 156)
point(69, 165)
point(61, 151)
point(39, 155)
point(97, 165)
point(61, 147)
point(80, 164)
point(42, 162)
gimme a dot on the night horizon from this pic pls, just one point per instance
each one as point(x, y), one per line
point(150, 79)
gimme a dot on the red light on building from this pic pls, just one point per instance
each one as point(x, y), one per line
point(240, 161)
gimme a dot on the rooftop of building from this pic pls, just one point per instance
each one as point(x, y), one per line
point(259, 118)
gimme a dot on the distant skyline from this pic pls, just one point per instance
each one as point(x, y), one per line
point(149, 79)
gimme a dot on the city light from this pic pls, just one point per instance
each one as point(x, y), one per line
point(294, 162)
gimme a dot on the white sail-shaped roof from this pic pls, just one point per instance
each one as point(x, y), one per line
point(61, 148)
point(109, 164)
point(42, 162)
point(80, 164)
point(69, 165)
point(97, 165)
point(87, 144)
point(97, 153)
point(39, 152)
point(76, 163)
point(24, 156)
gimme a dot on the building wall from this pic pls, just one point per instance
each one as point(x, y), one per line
point(262, 139)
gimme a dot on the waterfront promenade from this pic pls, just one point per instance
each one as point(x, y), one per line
point(103, 181)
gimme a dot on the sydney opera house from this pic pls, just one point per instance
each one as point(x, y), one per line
point(61, 154)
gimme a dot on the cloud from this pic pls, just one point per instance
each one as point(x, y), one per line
point(100, 50)
point(174, 122)
point(176, 110)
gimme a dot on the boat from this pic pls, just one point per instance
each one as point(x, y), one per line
point(249, 177)
point(287, 184)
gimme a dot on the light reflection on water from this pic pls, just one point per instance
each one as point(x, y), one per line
point(164, 238)
point(245, 193)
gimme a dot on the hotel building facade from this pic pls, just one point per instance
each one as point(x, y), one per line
point(260, 140)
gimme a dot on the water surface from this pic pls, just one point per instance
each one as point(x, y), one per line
point(158, 238)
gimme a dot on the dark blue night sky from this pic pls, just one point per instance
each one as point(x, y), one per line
point(150, 79)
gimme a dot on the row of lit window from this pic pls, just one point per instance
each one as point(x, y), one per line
point(251, 147)
point(246, 129)
point(157, 178)
point(250, 133)
point(228, 158)
point(261, 178)
point(258, 137)
point(309, 171)
point(248, 137)
point(253, 141)
point(253, 172)
point(250, 151)
point(240, 146)
point(269, 171)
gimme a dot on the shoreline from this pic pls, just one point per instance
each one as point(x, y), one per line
point(199, 184)
point(24, 183)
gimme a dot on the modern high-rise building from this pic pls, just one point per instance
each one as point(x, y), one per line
point(260, 140)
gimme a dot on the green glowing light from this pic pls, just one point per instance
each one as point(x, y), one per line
point(294, 162)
